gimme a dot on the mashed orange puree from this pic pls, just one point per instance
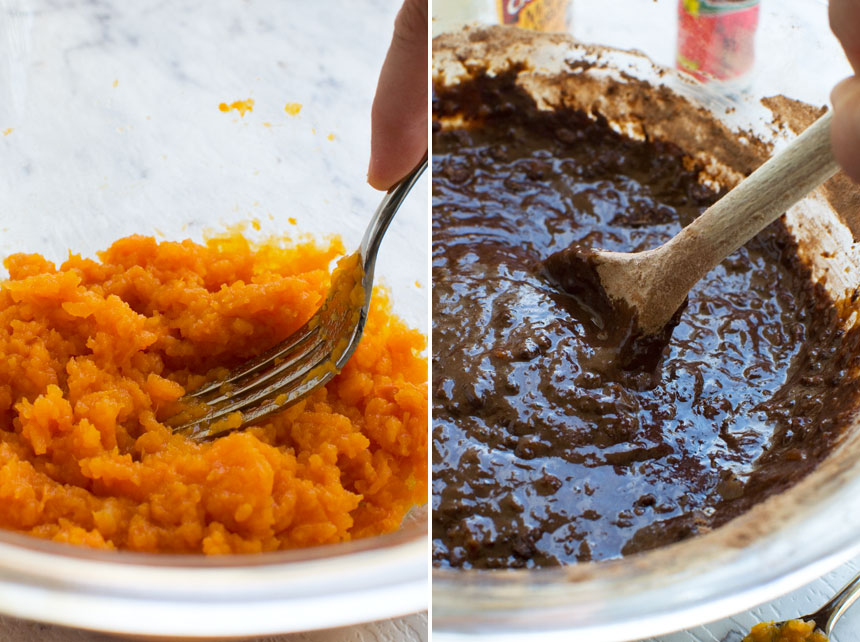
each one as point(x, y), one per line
point(95, 354)
point(792, 631)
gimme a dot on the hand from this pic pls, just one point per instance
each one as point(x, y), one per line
point(398, 119)
point(845, 22)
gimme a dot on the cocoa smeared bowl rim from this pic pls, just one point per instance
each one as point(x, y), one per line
point(778, 545)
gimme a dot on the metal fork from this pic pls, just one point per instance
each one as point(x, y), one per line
point(826, 617)
point(309, 357)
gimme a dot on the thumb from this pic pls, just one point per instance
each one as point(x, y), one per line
point(399, 115)
point(845, 131)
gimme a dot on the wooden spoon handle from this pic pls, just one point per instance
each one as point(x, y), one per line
point(755, 203)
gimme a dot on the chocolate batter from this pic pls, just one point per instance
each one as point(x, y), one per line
point(539, 457)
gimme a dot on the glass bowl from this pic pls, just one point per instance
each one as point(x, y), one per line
point(791, 538)
point(109, 126)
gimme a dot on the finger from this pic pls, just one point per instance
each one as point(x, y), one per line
point(845, 23)
point(841, 90)
point(398, 118)
point(845, 131)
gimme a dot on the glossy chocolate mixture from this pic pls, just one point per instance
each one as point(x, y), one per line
point(541, 459)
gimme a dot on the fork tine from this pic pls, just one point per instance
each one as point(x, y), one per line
point(279, 361)
point(296, 339)
point(333, 308)
point(275, 378)
point(330, 322)
point(260, 404)
point(272, 379)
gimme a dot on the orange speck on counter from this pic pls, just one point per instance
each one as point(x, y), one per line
point(116, 83)
point(240, 105)
point(255, 223)
point(330, 136)
point(293, 109)
point(6, 132)
point(97, 353)
point(267, 124)
point(291, 220)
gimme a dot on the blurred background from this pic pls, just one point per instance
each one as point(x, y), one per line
point(763, 47)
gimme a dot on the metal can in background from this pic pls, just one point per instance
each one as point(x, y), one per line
point(716, 38)
point(538, 15)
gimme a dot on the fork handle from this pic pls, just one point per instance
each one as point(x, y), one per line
point(382, 218)
point(827, 616)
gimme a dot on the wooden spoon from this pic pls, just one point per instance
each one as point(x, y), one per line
point(644, 292)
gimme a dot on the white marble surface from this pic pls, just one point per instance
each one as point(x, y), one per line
point(109, 125)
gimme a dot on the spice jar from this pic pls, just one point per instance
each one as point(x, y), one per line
point(716, 39)
point(537, 15)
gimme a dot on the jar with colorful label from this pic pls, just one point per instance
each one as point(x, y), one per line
point(538, 15)
point(716, 38)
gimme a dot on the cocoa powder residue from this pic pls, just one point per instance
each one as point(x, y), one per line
point(842, 193)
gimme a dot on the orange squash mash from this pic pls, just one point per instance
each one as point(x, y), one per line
point(792, 631)
point(94, 355)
